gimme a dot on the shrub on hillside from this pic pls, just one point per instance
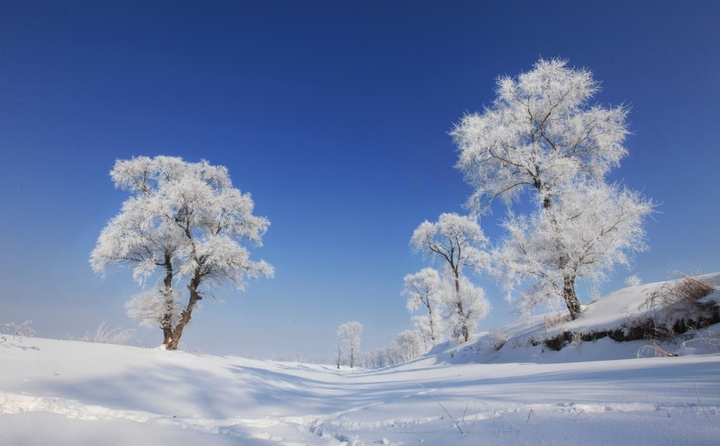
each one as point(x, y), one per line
point(685, 289)
point(17, 330)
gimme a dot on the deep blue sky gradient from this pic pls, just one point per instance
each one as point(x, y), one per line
point(334, 115)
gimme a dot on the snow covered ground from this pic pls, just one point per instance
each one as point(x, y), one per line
point(71, 392)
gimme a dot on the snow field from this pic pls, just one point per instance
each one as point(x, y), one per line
point(502, 387)
point(127, 395)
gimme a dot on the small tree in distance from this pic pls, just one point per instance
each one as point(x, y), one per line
point(187, 221)
point(350, 334)
point(425, 288)
point(411, 344)
point(457, 241)
point(338, 358)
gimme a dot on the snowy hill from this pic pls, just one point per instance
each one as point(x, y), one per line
point(642, 326)
point(504, 387)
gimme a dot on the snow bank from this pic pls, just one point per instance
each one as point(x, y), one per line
point(626, 314)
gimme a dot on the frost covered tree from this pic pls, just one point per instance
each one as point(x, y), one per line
point(187, 222)
point(601, 226)
point(411, 344)
point(633, 280)
point(457, 241)
point(408, 345)
point(388, 355)
point(350, 333)
point(542, 135)
point(465, 306)
point(425, 288)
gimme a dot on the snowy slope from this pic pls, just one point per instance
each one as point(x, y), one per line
point(68, 392)
point(522, 341)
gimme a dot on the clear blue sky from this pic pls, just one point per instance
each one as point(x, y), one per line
point(334, 115)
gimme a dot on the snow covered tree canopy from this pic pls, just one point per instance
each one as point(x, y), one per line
point(188, 212)
point(455, 238)
point(541, 130)
point(187, 220)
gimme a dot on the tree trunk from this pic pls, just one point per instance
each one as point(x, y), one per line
point(187, 313)
point(432, 325)
point(464, 332)
point(571, 300)
point(166, 324)
point(167, 331)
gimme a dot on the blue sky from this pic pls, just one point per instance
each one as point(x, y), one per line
point(335, 117)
